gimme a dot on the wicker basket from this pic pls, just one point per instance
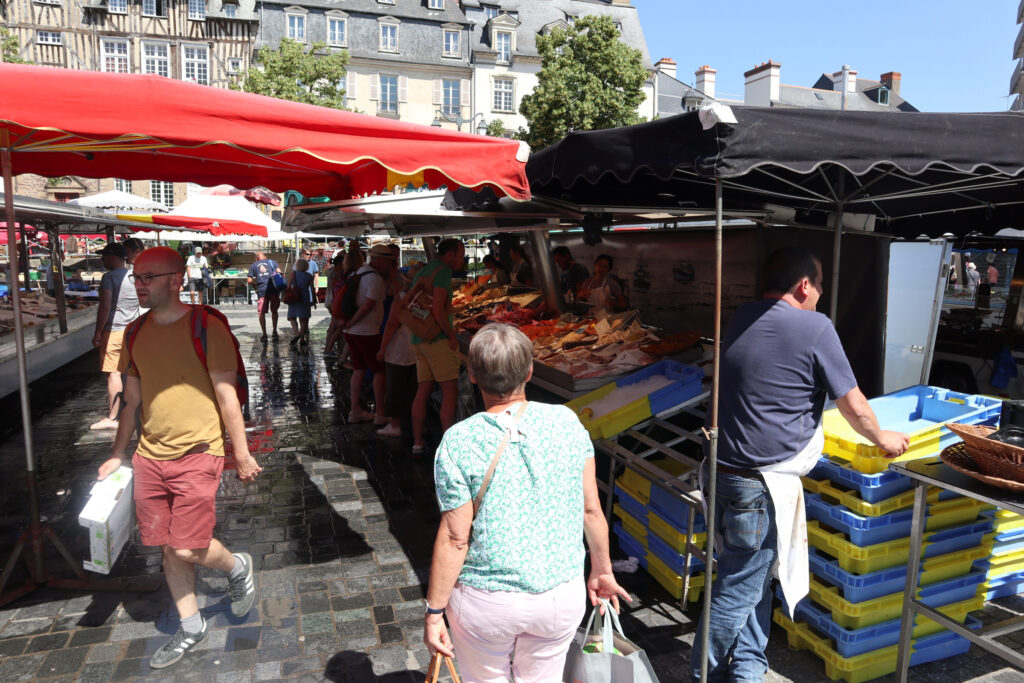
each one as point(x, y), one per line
point(958, 457)
point(976, 438)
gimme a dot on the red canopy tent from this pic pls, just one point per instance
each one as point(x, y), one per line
point(102, 125)
point(57, 122)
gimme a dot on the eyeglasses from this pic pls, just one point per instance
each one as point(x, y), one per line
point(146, 280)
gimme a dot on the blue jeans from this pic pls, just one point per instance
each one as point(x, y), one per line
point(741, 599)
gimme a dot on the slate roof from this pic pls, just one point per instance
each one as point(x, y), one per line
point(822, 96)
point(402, 9)
point(534, 15)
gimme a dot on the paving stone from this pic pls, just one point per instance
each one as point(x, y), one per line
point(342, 603)
point(300, 665)
point(20, 668)
point(412, 593)
point(310, 603)
point(383, 614)
point(386, 596)
point(388, 660)
point(12, 647)
point(234, 677)
point(106, 652)
point(267, 671)
point(133, 631)
point(390, 633)
point(242, 638)
point(97, 672)
point(63, 662)
point(26, 627)
point(90, 636)
point(51, 641)
point(321, 622)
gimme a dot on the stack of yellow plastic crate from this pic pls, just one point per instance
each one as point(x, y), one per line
point(859, 522)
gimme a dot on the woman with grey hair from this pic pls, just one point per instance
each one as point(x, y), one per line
point(518, 494)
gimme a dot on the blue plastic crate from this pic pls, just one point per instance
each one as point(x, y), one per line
point(699, 525)
point(854, 641)
point(629, 545)
point(873, 488)
point(675, 561)
point(861, 587)
point(863, 530)
point(1005, 586)
point(671, 508)
point(631, 505)
point(1008, 542)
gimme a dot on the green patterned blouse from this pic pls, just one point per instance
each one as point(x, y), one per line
point(528, 534)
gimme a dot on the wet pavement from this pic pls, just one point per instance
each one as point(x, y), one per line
point(340, 525)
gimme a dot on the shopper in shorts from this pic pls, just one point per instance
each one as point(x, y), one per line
point(118, 306)
point(261, 275)
point(437, 360)
point(362, 332)
point(182, 410)
point(196, 283)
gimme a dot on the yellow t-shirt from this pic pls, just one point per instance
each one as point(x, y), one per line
point(179, 407)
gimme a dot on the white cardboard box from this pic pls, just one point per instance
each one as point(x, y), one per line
point(109, 515)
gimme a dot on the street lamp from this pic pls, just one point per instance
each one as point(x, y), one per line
point(481, 128)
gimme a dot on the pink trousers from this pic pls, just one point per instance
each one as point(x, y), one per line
point(498, 633)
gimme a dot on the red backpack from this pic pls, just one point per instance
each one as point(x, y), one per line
point(200, 315)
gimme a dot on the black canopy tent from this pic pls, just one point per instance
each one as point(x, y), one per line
point(902, 173)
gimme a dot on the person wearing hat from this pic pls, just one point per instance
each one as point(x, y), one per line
point(362, 332)
point(973, 279)
point(194, 266)
point(118, 306)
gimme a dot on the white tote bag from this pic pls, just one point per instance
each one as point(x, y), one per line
point(605, 655)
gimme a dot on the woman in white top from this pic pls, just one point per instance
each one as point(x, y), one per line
point(194, 267)
point(601, 290)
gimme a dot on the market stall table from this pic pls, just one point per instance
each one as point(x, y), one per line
point(931, 471)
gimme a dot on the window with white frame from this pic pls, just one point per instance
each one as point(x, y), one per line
point(504, 94)
point(47, 2)
point(385, 2)
point(117, 6)
point(154, 8)
point(435, 4)
point(162, 191)
point(115, 55)
point(123, 185)
point(195, 64)
point(452, 43)
point(491, 11)
point(343, 85)
point(297, 27)
point(337, 31)
point(234, 65)
point(451, 96)
point(156, 59)
point(388, 103)
point(230, 10)
point(49, 38)
point(503, 44)
point(197, 10)
point(388, 37)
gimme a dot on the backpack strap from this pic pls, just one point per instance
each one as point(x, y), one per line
point(131, 333)
point(199, 318)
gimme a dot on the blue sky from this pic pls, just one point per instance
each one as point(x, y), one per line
point(955, 55)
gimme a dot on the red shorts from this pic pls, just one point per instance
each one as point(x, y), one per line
point(271, 299)
point(176, 500)
point(363, 348)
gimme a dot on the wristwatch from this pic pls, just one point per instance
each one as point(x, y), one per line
point(431, 610)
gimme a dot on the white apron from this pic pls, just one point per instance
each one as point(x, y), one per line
point(786, 491)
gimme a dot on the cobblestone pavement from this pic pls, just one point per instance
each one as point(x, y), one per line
point(340, 524)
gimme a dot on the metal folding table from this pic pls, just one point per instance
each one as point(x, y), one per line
point(658, 436)
point(932, 471)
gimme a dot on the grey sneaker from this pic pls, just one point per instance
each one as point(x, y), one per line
point(176, 647)
point(242, 589)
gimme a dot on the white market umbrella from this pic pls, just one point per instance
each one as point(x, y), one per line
point(116, 199)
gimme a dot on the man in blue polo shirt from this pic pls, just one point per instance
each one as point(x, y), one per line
point(779, 361)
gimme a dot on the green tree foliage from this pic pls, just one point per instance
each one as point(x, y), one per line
point(496, 128)
point(293, 73)
point(10, 47)
point(589, 80)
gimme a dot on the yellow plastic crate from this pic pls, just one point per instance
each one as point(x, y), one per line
point(639, 486)
point(835, 494)
point(668, 533)
point(870, 612)
point(1007, 563)
point(1005, 521)
point(865, 559)
point(672, 582)
point(842, 441)
point(619, 420)
point(856, 669)
point(633, 527)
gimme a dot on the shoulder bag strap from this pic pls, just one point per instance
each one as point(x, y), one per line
point(478, 501)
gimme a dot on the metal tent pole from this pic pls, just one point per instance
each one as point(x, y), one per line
point(837, 246)
point(33, 537)
point(709, 494)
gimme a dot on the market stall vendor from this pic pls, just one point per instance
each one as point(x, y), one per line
point(573, 274)
point(522, 272)
point(780, 359)
point(498, 274)
point(602, 290)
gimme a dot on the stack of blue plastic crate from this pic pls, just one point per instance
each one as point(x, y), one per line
point(859, 518)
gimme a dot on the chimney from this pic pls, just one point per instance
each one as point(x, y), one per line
point(706, 80)
point(891, 81)
point(845, 80)
point(667, 66)
point(762, 84)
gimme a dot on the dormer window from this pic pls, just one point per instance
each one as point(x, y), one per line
point(503, 45)
point(435, 4)
point(296, 18)
point(388, 35)
point(337, 28)
point(230, 10)
point(883, 96)
point(490, 11)
point(452, 46)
